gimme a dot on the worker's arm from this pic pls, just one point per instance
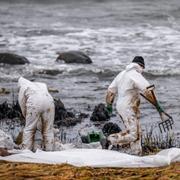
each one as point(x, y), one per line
point(109, 101)
point(151, 97)
point(111, 93)
point(110, 97)
point(22, 101)
point(147, 91)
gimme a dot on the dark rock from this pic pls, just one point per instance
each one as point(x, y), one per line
point(60, 111)
point(64, 117)
point(110, 128)
point(68, 121)
point(84, 139)
point(52, 72)
point(13, 59)
point(74, 57)
point(83, 115)
point(10, 111)
point(100, 113)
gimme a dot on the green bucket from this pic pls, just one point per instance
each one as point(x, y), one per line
point(92, 137)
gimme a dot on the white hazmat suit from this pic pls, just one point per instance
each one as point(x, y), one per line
point(128, 85)
point(37, 106)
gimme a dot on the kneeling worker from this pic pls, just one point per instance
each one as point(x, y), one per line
point(129, 84)
point(37, 107)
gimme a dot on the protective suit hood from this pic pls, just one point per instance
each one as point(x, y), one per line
point(23, 82)
point(34, 86)
point(134, 66)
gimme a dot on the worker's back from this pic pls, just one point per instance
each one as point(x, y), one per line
point(35, 93)
point(127, 85)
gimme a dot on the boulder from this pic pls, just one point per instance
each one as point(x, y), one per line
point(110, 128)
point(66, 118)
point(10, 110)
point(100, 113)
point(74, 57)
point(13, 59)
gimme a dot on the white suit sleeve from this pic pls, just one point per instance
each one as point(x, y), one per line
point(140, 82)
point(113, 86)
point(22, 101)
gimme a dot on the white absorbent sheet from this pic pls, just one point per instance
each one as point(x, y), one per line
point(96, 158)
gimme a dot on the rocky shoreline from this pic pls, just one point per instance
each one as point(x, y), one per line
point(12, 122)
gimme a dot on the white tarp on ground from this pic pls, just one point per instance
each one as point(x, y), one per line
point(97, 158)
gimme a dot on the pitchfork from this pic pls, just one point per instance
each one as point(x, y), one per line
point(165, 124)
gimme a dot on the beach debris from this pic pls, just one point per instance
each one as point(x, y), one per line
point(90, 135)
point(4, 91)
point(53, 90)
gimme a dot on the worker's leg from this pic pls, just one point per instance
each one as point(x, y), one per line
point(32, 117)
point(47, 128)
point(131, 136)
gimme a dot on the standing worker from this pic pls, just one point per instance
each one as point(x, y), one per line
point(37, 107)
point(129, 84)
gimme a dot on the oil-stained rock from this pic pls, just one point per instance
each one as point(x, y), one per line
point(63, 117)
point(100, 113)
point(110, 128)
point(74, 57)
point(10, 110)
point(13, 59)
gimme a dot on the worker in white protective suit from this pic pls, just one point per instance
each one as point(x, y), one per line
point(37, 106)
point(128, 85)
